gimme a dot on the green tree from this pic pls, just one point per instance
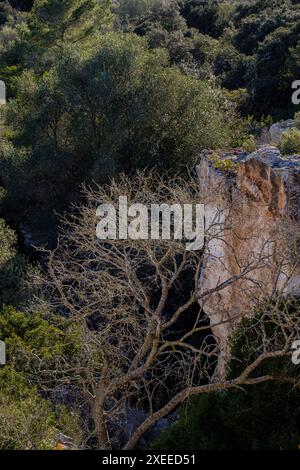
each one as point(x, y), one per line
point(264, 417)
point(120, 108)
point(208, 16)
point(14, 269)
point(30, 419)
point(56, 23)
point(268, 31)
point(36, 39)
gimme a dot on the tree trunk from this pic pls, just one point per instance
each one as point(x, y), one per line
point(100, 425)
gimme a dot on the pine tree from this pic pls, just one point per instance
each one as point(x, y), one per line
point(56, 23)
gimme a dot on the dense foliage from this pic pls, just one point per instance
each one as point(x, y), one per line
point(264, 417)
point(89, 103)
point(30, 418)
point(250, 47)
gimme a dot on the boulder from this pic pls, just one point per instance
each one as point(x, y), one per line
point(276, 130)
point(267, 154)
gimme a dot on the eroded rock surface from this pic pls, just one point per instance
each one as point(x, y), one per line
point(276, 130)
point(252, 217)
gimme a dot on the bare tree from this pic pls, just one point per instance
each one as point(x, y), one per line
point(145, 341)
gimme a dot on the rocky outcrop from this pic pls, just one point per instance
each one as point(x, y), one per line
point(276, 130)
point(252, 214)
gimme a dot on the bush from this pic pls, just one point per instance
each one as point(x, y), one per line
point(30, 420)
point(13, 269)
point(297, 120)
point(260, 417)
point(290, 142)
point(265, 417)
point(249, 145)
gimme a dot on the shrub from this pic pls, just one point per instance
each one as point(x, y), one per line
point(30, 420)
point(249, 145)
point(265, 417)
point(13, 268)
point(290, 142)
point(226, 166)
point(297, 119)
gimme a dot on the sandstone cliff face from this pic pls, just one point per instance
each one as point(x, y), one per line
point(252, 217)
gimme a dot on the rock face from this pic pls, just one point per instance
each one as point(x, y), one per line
point(276, 130)
point(251, 215)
